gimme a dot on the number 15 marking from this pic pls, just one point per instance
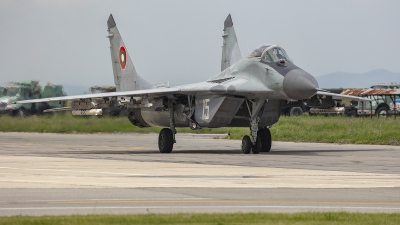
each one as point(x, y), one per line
point(206, 109)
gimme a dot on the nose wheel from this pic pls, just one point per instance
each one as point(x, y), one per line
point(256, 148)
point(262, 144)
point(264, 139)
point(246, 144)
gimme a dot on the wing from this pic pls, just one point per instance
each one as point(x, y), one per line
point(340, 96)
point(151, 92)
point(225, 86)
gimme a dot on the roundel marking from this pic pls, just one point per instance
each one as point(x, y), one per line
point(122, 57)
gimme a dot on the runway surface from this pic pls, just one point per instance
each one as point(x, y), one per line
point(52, 174)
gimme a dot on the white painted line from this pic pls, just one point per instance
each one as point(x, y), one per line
point(109, 199)
point(78, 171)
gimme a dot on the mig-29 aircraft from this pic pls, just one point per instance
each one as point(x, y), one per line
point(248, 92)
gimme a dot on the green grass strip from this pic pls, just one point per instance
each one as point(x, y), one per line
point(309, 218)
point(342, 130)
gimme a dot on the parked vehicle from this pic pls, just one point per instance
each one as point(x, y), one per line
point(395, 106)
point(381, 98)
point(25, 90)
point(317, 104)
point(381, 95)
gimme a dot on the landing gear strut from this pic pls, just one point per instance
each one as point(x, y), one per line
point(166, 138)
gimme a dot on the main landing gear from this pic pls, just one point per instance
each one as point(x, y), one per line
point(166, 138)
point(260, 140)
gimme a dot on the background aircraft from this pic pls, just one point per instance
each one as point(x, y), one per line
point(248, 92)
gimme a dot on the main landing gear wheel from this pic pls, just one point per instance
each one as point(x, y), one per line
point(257, 147)
point(246, 144)
point(264, 135)
point(165, 140)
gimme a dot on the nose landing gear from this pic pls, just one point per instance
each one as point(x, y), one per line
point(261, 138)
point(262, 144)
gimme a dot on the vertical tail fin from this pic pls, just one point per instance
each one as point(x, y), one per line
point(230, 48)
point(125, 76)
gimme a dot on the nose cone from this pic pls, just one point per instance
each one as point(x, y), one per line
point(298, 84)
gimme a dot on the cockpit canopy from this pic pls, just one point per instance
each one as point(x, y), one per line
point(269, 53)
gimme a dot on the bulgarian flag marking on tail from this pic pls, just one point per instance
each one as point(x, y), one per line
point(122, 57)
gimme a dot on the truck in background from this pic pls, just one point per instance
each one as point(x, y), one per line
point(294, 108)
point(380, 104)
point(28, 90)
point(395, 106)
point(3, 91)
point(317, 104)
point(382, 95)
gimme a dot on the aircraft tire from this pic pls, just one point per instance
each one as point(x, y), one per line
point(246, 144)
point(257, 147)
point(165, 140)
point(264, 135)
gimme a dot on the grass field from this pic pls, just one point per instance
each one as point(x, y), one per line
point(217, 219)
point(342, 130)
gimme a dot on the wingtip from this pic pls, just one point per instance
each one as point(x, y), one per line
point(111, 22)
point(228, 21)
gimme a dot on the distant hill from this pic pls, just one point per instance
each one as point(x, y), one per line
point(357, 80)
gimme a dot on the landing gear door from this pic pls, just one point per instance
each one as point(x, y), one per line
point(271, 113)
point(216, 111)
point(206, 107)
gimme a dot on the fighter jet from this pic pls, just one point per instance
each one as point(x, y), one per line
point(248, 92)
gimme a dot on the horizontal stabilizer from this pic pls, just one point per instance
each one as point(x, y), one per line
point(161, 85)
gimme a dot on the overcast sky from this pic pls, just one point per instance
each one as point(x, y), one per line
point(63, 41)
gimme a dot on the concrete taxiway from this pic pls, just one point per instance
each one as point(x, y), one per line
point(47, 174)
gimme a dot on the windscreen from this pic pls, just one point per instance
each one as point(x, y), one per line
point(13, 91)
point(258, 51)
point(275, 54)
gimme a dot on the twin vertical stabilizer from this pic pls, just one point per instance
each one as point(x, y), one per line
point(230, 48)
point(125, 76)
